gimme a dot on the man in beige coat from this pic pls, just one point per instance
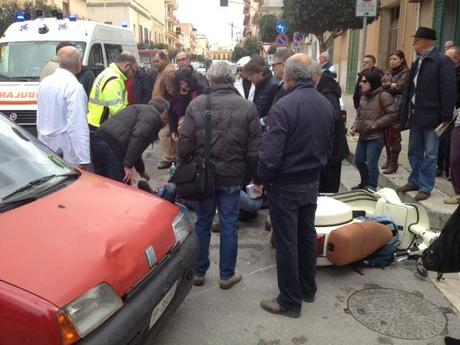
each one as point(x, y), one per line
point(165, 86)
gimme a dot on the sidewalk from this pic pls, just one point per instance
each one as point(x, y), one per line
point(438, 211)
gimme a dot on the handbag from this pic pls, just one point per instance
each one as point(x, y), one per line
point(195, 178)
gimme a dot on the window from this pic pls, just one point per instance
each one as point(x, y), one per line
point(95, 55)
point(112, 51)
point(141, 34)
point(146, 35)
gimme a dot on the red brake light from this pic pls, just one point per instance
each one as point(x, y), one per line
point(320, 245)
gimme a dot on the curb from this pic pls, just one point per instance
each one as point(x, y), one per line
point(438, 212)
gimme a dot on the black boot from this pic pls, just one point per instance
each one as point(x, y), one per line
point(451, 341)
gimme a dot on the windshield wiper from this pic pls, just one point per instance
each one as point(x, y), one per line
point(4, 76)
point(36, 182)
point(24, 78)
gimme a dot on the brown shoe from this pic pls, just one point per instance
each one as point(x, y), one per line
point(228, 283)
point(198, 281)
point(272, 306)
point(407, 188)
point(164, 165)
point(422, 196)
point(454, 200)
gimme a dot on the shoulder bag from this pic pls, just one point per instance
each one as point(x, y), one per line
point(195, 178)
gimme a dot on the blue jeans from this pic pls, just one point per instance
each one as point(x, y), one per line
point(367, 160)
point(227, 200)
point(105, 161)
point(423, 156)
point(248, 204)
point(292, 212)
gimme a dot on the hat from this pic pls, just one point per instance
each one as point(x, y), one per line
point(427, 33)
point(243, 61)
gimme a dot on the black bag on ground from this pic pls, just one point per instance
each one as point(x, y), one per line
point(194, 179)
point(443, 255)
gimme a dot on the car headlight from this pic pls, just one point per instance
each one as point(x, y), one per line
point(182, 227)
point(88, 312)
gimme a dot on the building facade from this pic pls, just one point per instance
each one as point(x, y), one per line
point(397, 22)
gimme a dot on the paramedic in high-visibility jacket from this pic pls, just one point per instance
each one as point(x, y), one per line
point(108, 95)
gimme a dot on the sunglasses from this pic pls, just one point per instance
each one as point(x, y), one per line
point(363, 81)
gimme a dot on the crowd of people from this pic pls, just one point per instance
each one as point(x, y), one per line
point(423, 100)
point(278, 130)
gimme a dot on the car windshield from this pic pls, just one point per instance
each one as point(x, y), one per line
point(24, 159)
point(25, 60)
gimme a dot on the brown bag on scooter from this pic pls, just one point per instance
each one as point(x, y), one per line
point(354, 242)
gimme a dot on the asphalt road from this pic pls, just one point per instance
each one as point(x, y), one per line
point(389, 306)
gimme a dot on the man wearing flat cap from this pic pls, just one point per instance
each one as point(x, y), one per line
point(427, 102)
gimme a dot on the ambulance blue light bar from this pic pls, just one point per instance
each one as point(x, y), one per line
point(72, 18)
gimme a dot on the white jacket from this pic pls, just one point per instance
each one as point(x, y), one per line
point(61, 116)
point(239, 86)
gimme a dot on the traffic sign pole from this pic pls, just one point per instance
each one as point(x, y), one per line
point(363, 44)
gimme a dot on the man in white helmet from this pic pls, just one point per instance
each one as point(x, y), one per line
point(243, 85)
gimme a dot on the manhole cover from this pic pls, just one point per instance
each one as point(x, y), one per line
point(396, 313)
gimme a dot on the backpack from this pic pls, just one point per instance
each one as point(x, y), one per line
point(443, 254)
point(386, 255)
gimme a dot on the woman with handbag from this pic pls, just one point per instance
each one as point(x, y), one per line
point(393, 82)
point(376, 112)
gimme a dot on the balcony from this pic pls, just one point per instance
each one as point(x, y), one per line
point(271, 7)
point(172, 4)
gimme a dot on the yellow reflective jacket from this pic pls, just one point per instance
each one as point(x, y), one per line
point(108, 95)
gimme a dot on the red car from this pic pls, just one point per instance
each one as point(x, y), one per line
point(84, 259)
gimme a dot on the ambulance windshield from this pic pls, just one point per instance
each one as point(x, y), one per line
point(25, 60)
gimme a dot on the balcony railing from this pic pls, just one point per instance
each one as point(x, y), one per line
point(272, 3)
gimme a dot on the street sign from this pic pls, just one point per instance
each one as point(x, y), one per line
point(366, 8)
point(281, 27)
point(266, 47)
point(282, 40)
point(298, 38)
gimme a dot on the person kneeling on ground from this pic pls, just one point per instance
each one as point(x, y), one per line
point(119, 143)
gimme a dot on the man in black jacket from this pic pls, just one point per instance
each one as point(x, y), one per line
point(329, 181)
point(235, 139)
point(428, 100)
point(293, 152)
point(120, 141)
point(368, 65)
point(266, 85)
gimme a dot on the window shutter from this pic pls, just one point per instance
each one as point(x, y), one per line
point(438, 16)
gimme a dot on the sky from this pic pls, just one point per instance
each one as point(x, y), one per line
point(212, 20)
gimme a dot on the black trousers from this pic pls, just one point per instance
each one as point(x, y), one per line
point(292, 212)
point(329, 181)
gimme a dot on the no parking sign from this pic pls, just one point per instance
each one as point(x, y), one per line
point(298, 38)
point(282, 40)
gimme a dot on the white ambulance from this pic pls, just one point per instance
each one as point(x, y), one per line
point(27, 46)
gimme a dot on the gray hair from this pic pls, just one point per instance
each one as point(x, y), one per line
point(159, 103)
point(316, 69)
point(282, 55)
point(68, 57)
point(220, 72)
point(297, 70)
point(126, 56)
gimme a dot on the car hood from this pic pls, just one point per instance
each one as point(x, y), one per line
point(94, 230)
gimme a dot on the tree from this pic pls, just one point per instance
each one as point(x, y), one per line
point(267, 28)
point(10, 7)
point(326, 19)
point(238, 53)
point(251, 44)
